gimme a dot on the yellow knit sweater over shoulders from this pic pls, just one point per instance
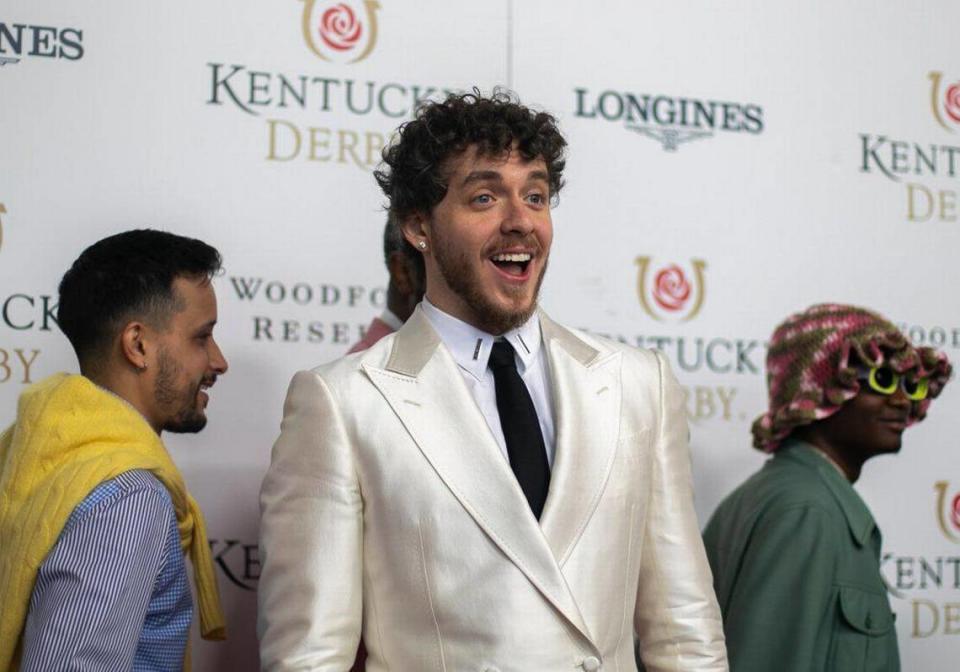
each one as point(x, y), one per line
point(69, 436)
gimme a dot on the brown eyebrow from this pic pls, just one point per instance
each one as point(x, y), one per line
point(206, 326)
point(484, 175)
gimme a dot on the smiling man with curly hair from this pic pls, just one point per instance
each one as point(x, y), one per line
point(484, 489)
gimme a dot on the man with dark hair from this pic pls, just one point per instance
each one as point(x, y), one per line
point(794, 550)
point(484, 489)
point(95, 517)
point(404, 289)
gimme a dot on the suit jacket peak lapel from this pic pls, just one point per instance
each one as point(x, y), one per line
point(587, 392)
point(413, 346)
point(579, 349)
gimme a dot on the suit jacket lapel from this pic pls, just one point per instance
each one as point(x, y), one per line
point(586, 392)
point(425, 388)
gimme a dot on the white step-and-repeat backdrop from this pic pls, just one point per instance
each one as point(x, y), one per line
point(729, 164)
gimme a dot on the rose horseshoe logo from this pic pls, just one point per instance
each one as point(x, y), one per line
point(340, 32)
point(948, 511)
point(675, 294)
point(944, 101)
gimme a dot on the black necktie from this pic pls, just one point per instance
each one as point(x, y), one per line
point(521, 428)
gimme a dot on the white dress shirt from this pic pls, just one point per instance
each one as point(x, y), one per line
point(471, 348)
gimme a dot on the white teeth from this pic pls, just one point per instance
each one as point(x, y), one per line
point(521, 257)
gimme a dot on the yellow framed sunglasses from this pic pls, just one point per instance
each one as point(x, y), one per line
point(884, 380)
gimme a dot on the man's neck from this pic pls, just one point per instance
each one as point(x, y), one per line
point(832, 462)
point(125, 389)
point(433, 310)
point(849, 465)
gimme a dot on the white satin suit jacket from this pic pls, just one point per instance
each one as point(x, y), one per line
point(389, 512)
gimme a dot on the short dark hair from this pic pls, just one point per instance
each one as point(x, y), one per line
point(414, 177)
point(127, 275)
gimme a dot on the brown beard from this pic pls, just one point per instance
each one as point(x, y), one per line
point(185, 418)
point(465, 283)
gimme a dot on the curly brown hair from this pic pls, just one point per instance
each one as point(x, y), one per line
point(414, 177)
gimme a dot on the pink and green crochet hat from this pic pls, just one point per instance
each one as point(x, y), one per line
point(811, 367)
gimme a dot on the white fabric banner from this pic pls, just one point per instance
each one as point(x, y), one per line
point(727, 166)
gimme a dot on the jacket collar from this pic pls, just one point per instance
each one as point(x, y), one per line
point(418, 339)
point(859, 519)
point(471, 347)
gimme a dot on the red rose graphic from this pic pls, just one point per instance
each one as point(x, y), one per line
point(339, 28)
point(955, 512)
point(951, 102)
point(671, 290)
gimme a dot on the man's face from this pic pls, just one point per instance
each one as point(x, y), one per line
point(489, 239)
point(869, 424)
point(188, 359)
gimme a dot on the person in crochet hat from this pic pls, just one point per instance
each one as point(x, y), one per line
point(794, 550)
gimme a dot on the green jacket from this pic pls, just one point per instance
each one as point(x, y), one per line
point(795, 555)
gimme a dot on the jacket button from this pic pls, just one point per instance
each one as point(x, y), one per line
point(590, 664)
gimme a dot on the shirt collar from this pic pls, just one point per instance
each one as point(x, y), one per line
point(471, 347)
point(830, 460)
point(389, 318)
point(859, 519)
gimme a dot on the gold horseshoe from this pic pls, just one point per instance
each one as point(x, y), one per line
point(643, 263)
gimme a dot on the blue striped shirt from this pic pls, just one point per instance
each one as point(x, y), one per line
point(113, 594)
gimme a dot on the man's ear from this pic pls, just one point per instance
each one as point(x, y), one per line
point(133, 344)
point(416, 230)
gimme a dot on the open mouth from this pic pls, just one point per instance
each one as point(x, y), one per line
point(202, 391)
point(512, 264)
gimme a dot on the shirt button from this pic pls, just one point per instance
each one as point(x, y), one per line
point(590, 664)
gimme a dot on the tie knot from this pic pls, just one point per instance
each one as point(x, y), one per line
point(501, 356)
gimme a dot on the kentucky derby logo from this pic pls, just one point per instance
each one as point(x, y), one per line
point(671, 292)
point(948, 511)
point(945, 101)
point(340, 32)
